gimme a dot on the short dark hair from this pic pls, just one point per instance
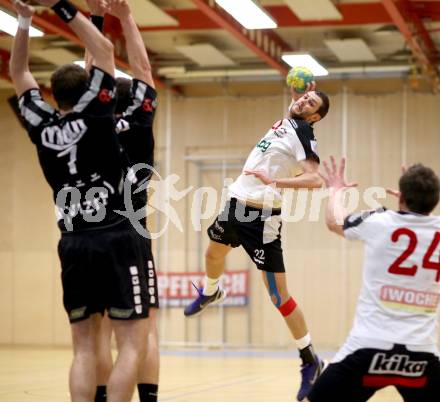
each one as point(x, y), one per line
point(323, 110)
point(420, 189)
point(69, 83)
point(123, 95)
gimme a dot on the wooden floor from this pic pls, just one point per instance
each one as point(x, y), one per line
point(31, 375)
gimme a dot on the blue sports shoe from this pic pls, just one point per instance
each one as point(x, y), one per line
point(202, 301)
point(309, 374)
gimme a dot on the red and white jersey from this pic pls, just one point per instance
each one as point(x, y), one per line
point(399, 300)
point(277, 154)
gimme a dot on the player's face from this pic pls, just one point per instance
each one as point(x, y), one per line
point(306, 106)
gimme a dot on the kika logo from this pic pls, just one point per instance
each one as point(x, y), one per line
point(397, 365)
point(60, 138)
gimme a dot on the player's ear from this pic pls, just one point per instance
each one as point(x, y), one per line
point(314, 118)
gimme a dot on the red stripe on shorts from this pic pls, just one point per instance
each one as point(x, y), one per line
point(383, 381)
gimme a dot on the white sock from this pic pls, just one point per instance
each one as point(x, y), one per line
point(304, 341)
point(211, 286)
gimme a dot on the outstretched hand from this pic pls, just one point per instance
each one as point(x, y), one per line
point(23, 9)
point(98, 7)
point(335, 177)
point(259, 175)
point(118, 8)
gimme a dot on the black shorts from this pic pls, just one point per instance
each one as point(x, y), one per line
point(416, 375)
point(151, 277)
point(104, 270)
point(257, 230)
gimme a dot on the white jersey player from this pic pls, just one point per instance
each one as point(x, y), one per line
point(395, 333)
point(252, 218)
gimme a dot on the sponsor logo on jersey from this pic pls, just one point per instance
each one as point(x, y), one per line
point(397, 365)
point(218, 227)
point(409, 299)
point(60, 138)
point(280, 132)
point(105, 96)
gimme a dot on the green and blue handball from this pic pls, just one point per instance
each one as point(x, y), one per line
point(298, 78)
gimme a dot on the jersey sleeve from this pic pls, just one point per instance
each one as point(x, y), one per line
point(359, 226)
point(99, 98)
point(143, 104)
point(34, 110)
point(306, 147)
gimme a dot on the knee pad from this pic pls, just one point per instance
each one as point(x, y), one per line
point(288, 307)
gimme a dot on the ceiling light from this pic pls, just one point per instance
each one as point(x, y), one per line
point(316, 10)
point(350, 50)
point(248, 14)
point(305, 60)
point(118, 73)
point(9, 24)
point(205, 55)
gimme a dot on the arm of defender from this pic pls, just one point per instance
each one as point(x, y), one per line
point(97, 11)
point(334, 180)
point(99, 46)
point(137, 54)
point(21, 76)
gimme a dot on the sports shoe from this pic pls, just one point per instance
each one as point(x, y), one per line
point(309, 374)
point(202, 301)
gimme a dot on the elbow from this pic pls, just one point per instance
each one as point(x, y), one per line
point(335, 228)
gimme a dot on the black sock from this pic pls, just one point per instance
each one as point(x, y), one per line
point(148, 392)
point(307, 355)
point(101, 393)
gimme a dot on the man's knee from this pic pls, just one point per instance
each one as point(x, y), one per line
point(280, 296)
point(214, 253)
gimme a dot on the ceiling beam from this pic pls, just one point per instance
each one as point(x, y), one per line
point(352, 14)
point(264, 43)
point(408, 23)
point(51, 24)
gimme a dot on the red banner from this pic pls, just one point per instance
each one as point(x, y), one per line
point(176, 289)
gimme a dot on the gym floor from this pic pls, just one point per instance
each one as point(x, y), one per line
point(40, 374)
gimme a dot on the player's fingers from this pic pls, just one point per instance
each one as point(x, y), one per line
point(352, 184)
point(333, 161)
point(393, 192)
point(327, 169)
point(342, 167)
point(312, 86)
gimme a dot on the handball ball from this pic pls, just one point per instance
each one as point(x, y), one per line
point(298, 78)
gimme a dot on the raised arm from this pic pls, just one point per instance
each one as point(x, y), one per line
point(334, 180)
point(97, 10)
point(308, 179)
point(21, 76)
point(137, 54)
point(100, 48)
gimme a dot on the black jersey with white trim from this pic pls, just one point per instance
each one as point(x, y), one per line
point(79, 154)
point(135, 134)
